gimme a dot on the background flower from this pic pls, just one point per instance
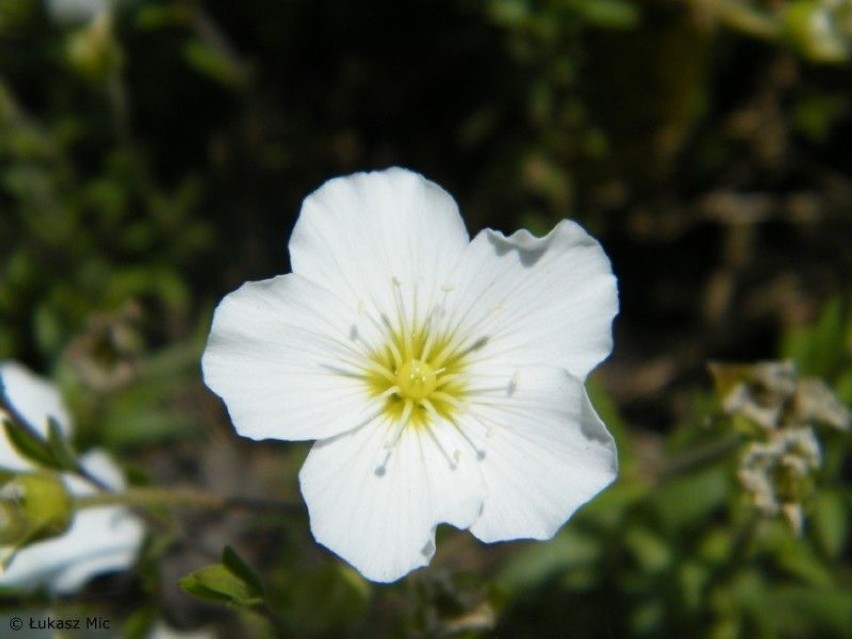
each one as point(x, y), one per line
point(99, 540)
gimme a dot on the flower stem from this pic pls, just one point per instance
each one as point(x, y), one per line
point(691, 459)
point(152, 497)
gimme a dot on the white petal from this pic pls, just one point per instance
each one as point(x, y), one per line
point(536, 301)
point(546, 454)
point(285, 357)
point(358, 234)
point(379, 513)
point(99, 540)
point(35, 399)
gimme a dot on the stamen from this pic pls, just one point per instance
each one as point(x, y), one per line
point(399, 428)
point(404, 327)
point(406, 413)
point(445, 397)
point(480, 453)
point(418, 372)
point(443, 380)
point(384, 328)
point(488, 425)
point(390, 391)
point(430, 336)
point(513, 384)
point(453, 464)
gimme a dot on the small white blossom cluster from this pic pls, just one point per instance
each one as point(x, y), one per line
point(773, 472)
point(778, 462)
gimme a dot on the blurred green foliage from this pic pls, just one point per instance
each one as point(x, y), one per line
point(153, 156)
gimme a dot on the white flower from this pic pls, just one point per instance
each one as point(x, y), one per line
point(99, 540)
point(442, 377)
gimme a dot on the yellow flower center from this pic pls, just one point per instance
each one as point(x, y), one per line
point(416, 380)
point(419, 374)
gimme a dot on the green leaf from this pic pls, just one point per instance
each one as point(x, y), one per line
point(152, 16)
point(690, 499)
point(232, 582)
point(233, 562)
point(829, 519)
point(29, 445)
point(651, 552)
point(321, 598)
point(59, 446)
point(572, 550)
point(818, 348)
point(611, 14)
point(802, 611)
point(217, 583)
point(214, 64)
point(793, 554)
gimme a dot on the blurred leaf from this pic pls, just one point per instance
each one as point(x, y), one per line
point(821, 348)
point(29, 445)
point(829, 519)
point(611, 14)
point(793, 554)
point(161, 282)
point(207, 61)
point(328, 596)
point(59, 446)
point(816, 115)
point(570, 551)
point(139, 624)
point(844, 387)
point(716, 545)
point(650, 550)
point(609, 509)
point(803, 611)
point(129, 428)
point(509, 12)
point(233, 562)
point(157, 16)
point(690, 499)
point(693, 577)
point(49, 334)
point(219, 582)
point(14, 14)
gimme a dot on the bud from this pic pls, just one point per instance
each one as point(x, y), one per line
point(33, 506)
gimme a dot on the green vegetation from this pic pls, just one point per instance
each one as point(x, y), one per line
point(154, 154)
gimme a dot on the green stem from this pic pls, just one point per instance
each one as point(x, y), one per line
point(692, 459)
point(147, 497)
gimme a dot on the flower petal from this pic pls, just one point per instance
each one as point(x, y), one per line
point(99, 540)
point(536, 301)
point(546, 453)
point(286, 361)
point(357, 234)
point(379, 510)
